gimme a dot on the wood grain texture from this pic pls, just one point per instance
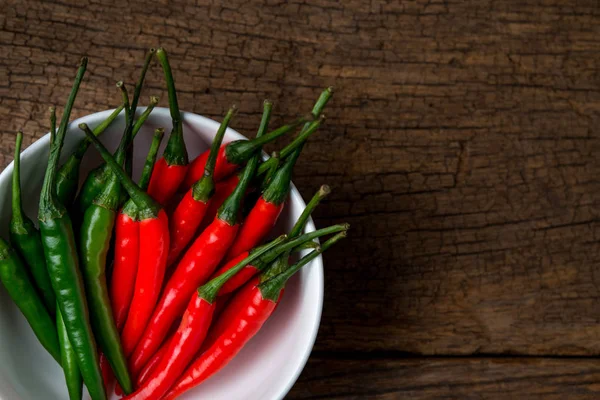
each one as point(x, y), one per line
point(462, 145)
point(449, 378)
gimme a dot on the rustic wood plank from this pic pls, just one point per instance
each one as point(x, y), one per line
point(448, 378)
point(462, 145)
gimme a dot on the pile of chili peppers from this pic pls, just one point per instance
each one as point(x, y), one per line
point(155, 286)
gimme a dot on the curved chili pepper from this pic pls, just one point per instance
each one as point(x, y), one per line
point(234, 154)
point(98, 177)
point(259, 303)
point(94, 241)
point(127, 243)
point(154, 247)
point(191, 209)
point(191, 332)
point(265, 213)
point(63, 263)
point(171, 168)
point(22, 291)
point(67, 178)
point(196, 266)
point(26, 238)
point(261, 263)
point(69, 361)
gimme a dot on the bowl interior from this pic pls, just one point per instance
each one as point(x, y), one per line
point(265, 369)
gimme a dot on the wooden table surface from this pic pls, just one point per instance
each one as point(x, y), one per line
point(462, 145)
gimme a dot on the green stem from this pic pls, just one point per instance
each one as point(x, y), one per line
point(49, 206)
point(159, 133)
point(17, 209)
point(161, 54)
point(175, 152)
point(241, 150)
point(271, 288)
point(289, 246)
point(140, 83)
point(230, 209)
point(126, 138)
point(287, 150)
point(144, 116)
point(312, 204)
point(278, 188)
point(204, 188)
point(210, 290)
point(148, 208)
point(281, 263)
point(85, 143)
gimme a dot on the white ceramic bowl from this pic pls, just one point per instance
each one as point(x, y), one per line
point(265, 369)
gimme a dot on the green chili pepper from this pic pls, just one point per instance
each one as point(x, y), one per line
point(63, 263)
point(26, 238)
point(94, 241)
point(16, 281)
point(97, 178)
point(67, 177)
point(68, 360)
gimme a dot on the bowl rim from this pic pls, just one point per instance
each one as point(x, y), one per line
point(42, 143)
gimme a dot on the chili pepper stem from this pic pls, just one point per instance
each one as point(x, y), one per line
point(237, 152)
point(144, 116)
point(138, 88)
point(271, 288)
point(85, 143)
point(298, 227)
point(17, 210)
point(287, 150)
point(210, 290)
point(49, 206)
point(175, 153)
point(205, 187)
point(229, 210)
point(147, 206)
point(159, 134)
point(301, 240)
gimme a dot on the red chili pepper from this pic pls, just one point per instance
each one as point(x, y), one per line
point(170, 170)
point(259, 303)
point(127, 244)
point(191, 209)
point(265, 213)
point(196, 266)
point(154, 247)
point(234, 154)
point(191, 333)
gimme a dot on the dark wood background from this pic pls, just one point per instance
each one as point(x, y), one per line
point(462, 145)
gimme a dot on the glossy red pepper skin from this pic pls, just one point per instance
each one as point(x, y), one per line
point(256, 227)
point(181, 349)
point(165, 181)
point(236, 303)
point(184, 223)
point(221, 304)
point(243, 327)
point(154, 248)
point(223, 168)
point(240, 278)
point(194, 269)
point(150, 367)
point(127, 241)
